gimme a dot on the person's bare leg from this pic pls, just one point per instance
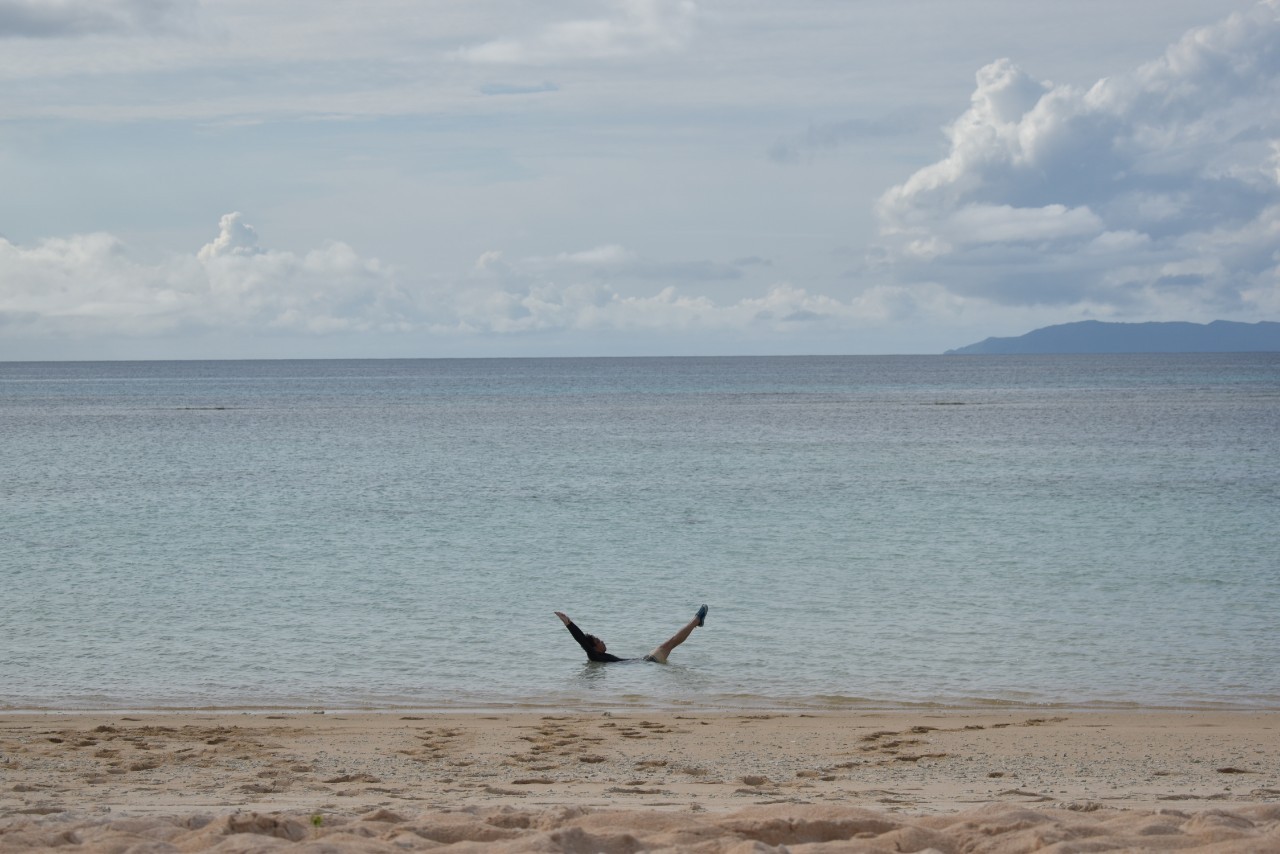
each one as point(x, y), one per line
point(660, 654)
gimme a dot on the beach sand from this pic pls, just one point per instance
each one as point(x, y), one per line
point(946, 781)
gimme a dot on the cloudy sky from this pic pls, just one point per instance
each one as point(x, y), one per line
point(308, 178)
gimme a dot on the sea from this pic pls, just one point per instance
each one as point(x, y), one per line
point(868, 532)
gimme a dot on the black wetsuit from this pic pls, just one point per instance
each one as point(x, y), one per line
point(586, 645)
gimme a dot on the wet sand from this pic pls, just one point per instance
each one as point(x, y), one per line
point(628, 781)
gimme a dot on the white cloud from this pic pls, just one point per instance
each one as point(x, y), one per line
point(80, 282)
point(492, 261)
point(93, 288)
point(637, 28)
point(235, 237)
point(1004, 224)
point(595, 307)
point(91, 284)
point(91, 291)
point(1052, 194)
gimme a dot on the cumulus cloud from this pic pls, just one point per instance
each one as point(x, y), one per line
point(1154, 192)
point(71, 18)
point(235, 237)
point(92, 287)
point(594, 307)
point(636, 28)
point(91, 284)
point(573, 291)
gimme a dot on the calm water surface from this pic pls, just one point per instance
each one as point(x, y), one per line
point(868, 531)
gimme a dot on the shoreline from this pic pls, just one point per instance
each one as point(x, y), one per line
point(648, 706)
point(96, 769)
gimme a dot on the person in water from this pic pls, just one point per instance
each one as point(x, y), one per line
point(597, 651)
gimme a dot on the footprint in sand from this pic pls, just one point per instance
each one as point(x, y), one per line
point(435, 743)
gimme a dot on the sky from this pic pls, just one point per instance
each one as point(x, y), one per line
point(192, 179)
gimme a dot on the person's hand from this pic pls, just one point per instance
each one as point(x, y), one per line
point(563, 617)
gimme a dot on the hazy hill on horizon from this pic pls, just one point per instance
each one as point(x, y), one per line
point(1096, 336)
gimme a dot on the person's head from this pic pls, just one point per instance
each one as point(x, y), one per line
point(596, 643)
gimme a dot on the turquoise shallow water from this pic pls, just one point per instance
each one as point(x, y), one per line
point(867, 531)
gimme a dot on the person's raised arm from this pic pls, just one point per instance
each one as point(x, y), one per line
point(576, 632)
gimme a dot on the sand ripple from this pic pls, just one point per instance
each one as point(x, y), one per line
point(795, 828)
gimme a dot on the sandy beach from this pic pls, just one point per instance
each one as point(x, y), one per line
point(628, 781)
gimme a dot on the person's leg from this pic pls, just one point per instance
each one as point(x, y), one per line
point(660, 654)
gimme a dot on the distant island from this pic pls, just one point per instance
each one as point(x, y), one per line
point(1095, 336)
